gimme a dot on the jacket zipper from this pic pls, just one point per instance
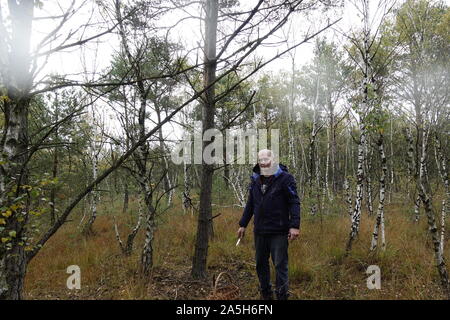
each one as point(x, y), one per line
point(262, 202)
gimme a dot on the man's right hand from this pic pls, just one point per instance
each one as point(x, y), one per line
point(241, 232)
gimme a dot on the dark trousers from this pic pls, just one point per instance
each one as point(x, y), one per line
point(275, 246)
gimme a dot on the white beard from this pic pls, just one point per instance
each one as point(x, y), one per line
point(269, 170)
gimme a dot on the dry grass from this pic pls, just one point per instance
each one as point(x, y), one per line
point(317, 267)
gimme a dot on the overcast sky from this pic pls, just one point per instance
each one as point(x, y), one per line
point(187, 33)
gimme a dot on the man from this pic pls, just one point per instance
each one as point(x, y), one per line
point(274, 202)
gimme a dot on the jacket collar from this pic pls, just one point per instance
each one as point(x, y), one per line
point(257, 170)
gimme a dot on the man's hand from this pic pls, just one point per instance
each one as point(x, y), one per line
point(293, 233)
point(241, 232)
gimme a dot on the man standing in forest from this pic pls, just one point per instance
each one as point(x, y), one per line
point(274, 201)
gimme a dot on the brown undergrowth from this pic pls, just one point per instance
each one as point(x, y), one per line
point(317, 267)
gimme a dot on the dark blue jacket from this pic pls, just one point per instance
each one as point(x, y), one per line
point(278, 209)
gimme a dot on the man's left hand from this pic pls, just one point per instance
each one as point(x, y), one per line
point(293, 234)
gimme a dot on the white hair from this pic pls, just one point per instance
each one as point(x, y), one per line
point(268, 151)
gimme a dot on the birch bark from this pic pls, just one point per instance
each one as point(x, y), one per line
point(379, 224)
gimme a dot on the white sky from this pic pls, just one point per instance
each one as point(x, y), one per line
point(187, 32)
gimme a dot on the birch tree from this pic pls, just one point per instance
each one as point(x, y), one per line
point(20, 66)
point(96, 144)
point(379, 224)
point(363, 62)
point(19, 85)
point(372, 61)
point(425, 196)
point(142, 56)
point(420, 28)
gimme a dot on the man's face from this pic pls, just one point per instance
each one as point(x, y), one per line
point(266, 163)
point(264, 160)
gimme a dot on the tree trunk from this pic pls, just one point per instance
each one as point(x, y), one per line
point(412, 172)
point(55, 164)
point(53, 192)
point(291, 138)
point(313, 188)
point(187, 201)
point(346, 186)
point(379, 225)
point(313, 165)
point(13, 265)
point(368, 168)
point(424, 194)
point(334, 158)
point(419, 138)
point(348, 198)
point(364, 108)
point(443, 211)
point(147, 251)
point(327, 167)
point(392, 184)
point(14, 149)
point(128, 248)
point(126, 196)
point(87, 230)
point(13, 262)
point(359, 187)
point(442, 168)
point(226, 168)
point(167, 182)
point(204, 226)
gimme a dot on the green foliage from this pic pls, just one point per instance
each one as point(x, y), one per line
point(24, 205)
point(234, 100)
point(421, 68)
point(323, 80)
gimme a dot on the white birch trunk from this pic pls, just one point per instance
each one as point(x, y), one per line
point(425, 197)
point(362, 128)
point(187, 202)
point(412, 169)
point(367, 168)
point(417, 208)
point(292, 153)
point(314, 173)
point(442, 168)
point(391, 188)
point(348, 199)
point(94, 193)
point(128, 248)
point(379, 224)
point(95, 153)
point(235, 180)
point(169, 183)
point(327, 166)
point(356, 216)
point(442, 241)
point(147, 250)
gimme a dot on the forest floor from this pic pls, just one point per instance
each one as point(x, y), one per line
point(317, 266)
